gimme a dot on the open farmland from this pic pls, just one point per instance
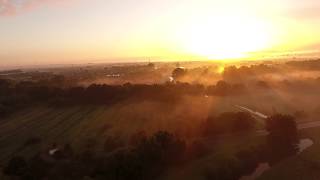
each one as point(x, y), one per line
point(76, 125)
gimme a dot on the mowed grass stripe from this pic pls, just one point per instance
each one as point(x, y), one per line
point(60, 115)
point(15, 148)
point(90, 129)
point(16, 122)
point(60, 134)
point(49, 130)
point(17, 140)
point(58, 131)
point(18, 115)
point(32, 124)
point(75, 135)
point(93, 129)
point(25, 126)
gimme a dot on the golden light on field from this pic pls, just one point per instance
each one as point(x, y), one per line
point(226, 37)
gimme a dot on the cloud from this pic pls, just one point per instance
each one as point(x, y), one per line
point(7, 8)
point(303, 10)
point(14, 7)
point(306, 13)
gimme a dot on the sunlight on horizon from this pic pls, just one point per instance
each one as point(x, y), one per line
point(83, 31)
point(226, 36)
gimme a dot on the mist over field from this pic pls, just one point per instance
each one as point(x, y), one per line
point(190, 117)
point(159, 90)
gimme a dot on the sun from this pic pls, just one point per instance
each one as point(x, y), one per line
point(220, 69)
point(226, 37)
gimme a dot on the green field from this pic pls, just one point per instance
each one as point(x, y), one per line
point(76, 125)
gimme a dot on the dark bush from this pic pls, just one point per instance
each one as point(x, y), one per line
point(283, 135)
point(17, 166)
point(229, 122)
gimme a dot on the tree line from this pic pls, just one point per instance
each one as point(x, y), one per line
point(16, 95)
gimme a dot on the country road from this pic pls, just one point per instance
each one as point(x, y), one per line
point(262, 117)
point(300, 126)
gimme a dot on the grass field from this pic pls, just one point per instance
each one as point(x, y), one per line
point(76, 125)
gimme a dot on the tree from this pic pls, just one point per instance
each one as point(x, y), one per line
point(222, 88)
point(283, 135)
point(178, 73)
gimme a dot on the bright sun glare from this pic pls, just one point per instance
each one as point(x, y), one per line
point(226, 37)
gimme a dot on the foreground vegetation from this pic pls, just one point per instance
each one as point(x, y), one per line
point(107, 144)
point(302, 166)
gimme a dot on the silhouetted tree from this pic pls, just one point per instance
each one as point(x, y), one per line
point(178, 73)
point(222, 88)
point(283, 135)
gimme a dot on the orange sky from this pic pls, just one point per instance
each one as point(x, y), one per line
point(40, 32)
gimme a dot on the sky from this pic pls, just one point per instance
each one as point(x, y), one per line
point(38, 32)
